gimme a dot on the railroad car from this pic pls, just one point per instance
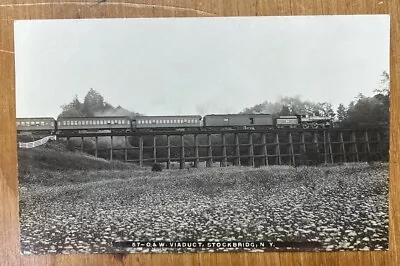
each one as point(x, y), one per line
point(80, 124)
point(238, 121)
point(166, 122)
point(315, 121)
point(36, 124)
point(289, 121)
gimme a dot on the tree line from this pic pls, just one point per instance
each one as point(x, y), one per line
point(362, 111)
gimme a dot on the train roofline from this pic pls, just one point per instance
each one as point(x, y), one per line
point(39, 117)
point(238, 114)
point(93, 117)
point(140, 116)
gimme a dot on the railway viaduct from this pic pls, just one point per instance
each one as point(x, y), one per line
point(237, 147)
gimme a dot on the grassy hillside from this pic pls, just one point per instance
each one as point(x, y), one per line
point(41, 164)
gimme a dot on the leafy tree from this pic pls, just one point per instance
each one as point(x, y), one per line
point(93, 105)
point(371, 111)
point(72, 109)
point(341, 113)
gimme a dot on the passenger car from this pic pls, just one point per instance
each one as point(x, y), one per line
point(165, 122)
point(42, 124)
point(239, 121)
point(113, 123)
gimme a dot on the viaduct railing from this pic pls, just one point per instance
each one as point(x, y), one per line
point(237, 147)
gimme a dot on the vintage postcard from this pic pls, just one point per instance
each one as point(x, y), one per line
point(174, 135)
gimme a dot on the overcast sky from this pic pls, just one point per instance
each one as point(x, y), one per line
point(199, 66)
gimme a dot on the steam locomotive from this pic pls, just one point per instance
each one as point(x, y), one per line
point(196, 122)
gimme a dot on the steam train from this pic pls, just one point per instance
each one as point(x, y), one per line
point(196, 122)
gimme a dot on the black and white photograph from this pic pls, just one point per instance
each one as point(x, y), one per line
point(219, 134)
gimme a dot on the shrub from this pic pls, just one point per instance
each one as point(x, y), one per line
point(156, 167)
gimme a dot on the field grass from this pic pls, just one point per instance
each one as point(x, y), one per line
point(79, 211)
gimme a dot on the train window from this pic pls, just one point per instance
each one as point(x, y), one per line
point(115, 121)
point(42, 123)
point(251, 120)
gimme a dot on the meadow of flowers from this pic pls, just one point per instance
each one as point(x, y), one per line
point(345, 207)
